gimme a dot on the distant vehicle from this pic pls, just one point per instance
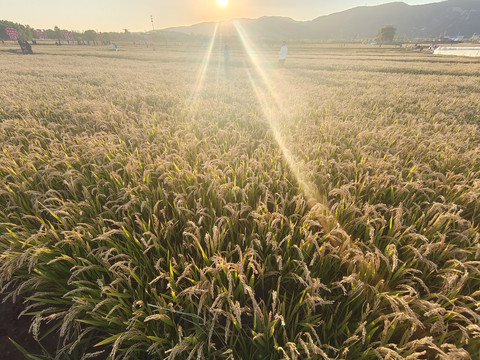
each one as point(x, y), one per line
point(454, 38)
point(458, 51)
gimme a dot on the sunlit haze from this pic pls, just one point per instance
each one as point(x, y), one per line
point(116, 15)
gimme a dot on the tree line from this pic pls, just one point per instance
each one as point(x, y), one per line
point(92, 37)
point(26, 32)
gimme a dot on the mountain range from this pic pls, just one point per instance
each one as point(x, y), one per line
point(447, 18)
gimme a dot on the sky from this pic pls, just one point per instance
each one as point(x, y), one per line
point(136, 15)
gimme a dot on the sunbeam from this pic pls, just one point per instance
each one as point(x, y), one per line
point(275, 111)
point(258, 62)
point(201, 74)
point(295, 165)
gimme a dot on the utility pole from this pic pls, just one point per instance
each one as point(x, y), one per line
point(151, 19)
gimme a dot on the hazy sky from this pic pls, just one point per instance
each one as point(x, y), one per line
point(115, 15)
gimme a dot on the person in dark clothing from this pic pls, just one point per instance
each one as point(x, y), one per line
point(25, 46)
point(28, 47)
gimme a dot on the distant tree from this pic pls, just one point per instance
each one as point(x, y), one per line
point(78, 35)
point(3, 33)
point(58, 33)
point(90, 35)
point(50, 34)
point(386, 34)
point(24, 32)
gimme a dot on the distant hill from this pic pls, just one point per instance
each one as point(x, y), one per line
point(451, 18)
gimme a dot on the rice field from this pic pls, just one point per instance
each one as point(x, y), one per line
point(159, 205)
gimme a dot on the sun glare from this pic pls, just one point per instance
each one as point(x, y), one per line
point(222, 3)
point(270, 100)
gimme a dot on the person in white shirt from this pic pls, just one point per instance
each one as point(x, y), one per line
point(282, 54)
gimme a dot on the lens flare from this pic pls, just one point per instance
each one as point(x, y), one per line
point(271, 101)
point(201, 74)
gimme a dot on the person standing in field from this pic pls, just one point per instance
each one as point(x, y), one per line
point(282, 54)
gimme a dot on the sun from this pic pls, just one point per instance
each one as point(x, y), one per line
point(222, 3)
